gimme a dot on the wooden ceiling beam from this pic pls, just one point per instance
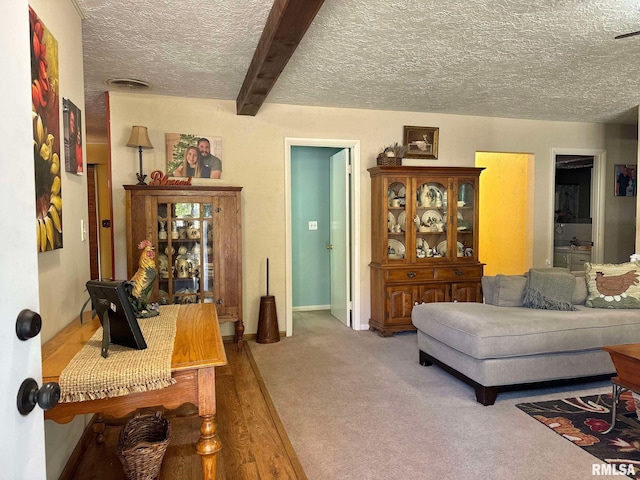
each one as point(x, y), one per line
point(287, 23)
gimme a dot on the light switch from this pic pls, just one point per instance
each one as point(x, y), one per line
point(83, 231)
point(313, 225)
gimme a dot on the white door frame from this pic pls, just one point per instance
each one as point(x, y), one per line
point(354, 145)
point(598, 186)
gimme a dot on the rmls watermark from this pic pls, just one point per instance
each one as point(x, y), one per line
point(613, 469)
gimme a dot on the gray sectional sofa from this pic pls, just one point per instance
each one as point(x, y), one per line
point(500, 345)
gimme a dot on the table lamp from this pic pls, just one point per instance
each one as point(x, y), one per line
point(139, 138)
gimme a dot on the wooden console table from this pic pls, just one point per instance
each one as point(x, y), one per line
point(197, 350)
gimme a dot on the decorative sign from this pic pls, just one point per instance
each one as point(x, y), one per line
point(158, 177)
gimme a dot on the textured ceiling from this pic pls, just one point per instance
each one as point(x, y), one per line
point(548, 60)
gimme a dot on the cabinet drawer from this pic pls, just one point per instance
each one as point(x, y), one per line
point(580, 258)
point(453, 273)
point(409, 275)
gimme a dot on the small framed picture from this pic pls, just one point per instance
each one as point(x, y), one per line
point(625, 180)
point(421, 142)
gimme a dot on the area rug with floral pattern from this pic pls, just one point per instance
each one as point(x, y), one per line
point(583, 421)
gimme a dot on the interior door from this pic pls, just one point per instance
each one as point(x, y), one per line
point(22, 442)
point(339, 236)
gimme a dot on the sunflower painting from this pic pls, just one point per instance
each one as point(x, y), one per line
point(45, 106)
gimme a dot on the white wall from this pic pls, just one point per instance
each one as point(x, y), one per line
point(64, 272)
point(253, 157)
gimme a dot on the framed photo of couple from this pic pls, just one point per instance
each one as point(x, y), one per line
point(197, 156)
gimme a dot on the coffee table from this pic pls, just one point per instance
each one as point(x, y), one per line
point(626, 360)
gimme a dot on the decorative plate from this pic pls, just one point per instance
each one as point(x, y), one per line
point(422, 243)
point(402, 192)
point(402, 220)
point(431, 217)
point(396, 249)
point(391, 220)
point(442, 248)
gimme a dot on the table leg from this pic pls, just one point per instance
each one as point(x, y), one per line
point(208, 447)
point(99, 428)
point(615, 396)
point(239, 334)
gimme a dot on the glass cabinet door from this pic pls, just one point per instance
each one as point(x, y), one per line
point(430, 219)
point(185, 252)
point(397, 221)
point(465, 221)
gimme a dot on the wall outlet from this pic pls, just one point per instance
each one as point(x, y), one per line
point(548, 262)
point(313, 225)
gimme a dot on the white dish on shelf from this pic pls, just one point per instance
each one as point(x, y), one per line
point(396, 249)
point(402, 192)
point(422, 244)
point(391, 221)
point(431, 217)
point(402, 221)
point(429, 195)
point(442, 248)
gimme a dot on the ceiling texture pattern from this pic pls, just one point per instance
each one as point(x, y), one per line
point(546, 60)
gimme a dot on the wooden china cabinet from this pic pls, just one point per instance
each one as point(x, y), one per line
point(424, 241)
point(197, 235)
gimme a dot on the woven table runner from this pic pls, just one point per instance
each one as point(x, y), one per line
point(89, 376)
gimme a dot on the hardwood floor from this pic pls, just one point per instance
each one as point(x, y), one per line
point(254, 443)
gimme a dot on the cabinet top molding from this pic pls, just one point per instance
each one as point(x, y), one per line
point(174, 188)
point(412, 170)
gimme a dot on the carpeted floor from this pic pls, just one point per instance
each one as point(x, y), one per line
point(357, 406)
point(582, 420)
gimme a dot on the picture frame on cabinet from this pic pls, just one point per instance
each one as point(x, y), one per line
point(190, 155)
point(421, 142)
point(626, 183)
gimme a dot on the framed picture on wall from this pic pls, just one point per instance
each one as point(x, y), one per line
point(421, 142)
point(626, 184)
point(72, 119)
point(197, 156)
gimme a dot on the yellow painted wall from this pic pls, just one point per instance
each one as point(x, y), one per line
point(504, 190)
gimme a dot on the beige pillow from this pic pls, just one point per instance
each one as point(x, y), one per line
point(613, 285)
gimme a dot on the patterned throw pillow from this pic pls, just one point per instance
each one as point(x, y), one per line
point(613, 285)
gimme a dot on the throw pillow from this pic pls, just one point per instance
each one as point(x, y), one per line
point(580, 294)
point(612, 285)
point(549, 290)
point(510, 290)
point(489, 289)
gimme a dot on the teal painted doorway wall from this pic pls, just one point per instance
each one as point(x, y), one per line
point(310, 259)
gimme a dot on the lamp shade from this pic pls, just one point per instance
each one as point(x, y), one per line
point(139, 137)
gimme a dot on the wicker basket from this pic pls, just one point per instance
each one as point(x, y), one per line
point(385, 160)
point(142, 444)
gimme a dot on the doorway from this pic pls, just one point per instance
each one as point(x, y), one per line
point(578, 207)
point(351, 207)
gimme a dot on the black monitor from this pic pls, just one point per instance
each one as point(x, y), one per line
point(119, 322)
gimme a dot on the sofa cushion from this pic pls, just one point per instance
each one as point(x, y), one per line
point(488, 289)
point(549, 289)
point(488, 331)
point(613, 285)
point(580, 293)
point(504, 290)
